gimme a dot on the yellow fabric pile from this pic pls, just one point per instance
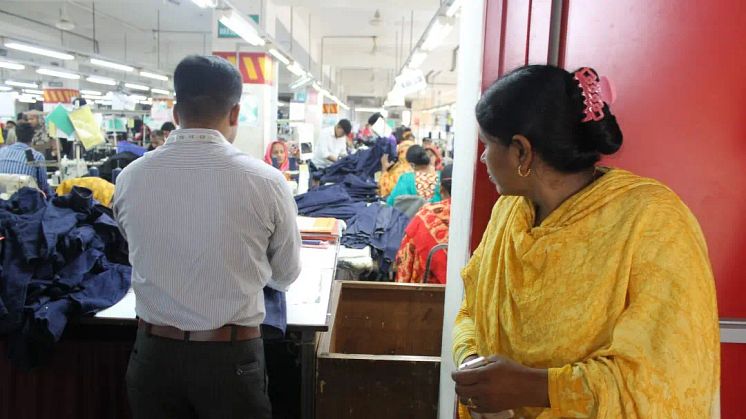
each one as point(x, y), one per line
point(103, 191)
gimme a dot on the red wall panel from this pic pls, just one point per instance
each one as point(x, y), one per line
point(506, 46)
point(680, 74)
point(734, 387)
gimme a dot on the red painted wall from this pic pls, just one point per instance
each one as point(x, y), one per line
point(680, 74)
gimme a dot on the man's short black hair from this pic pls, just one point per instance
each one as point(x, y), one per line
point(207, 87)
point(24, 132)
point(345, 125)
point(168, 126)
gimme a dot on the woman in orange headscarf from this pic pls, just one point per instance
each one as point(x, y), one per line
point(391, 176)
point(279, 152)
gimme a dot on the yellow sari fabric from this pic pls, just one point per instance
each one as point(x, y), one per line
point(613, 293)
point(388, 179)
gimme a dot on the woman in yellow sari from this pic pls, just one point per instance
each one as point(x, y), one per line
point(389, 177)
point(591, 294)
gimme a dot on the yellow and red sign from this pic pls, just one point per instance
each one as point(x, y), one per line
point(331, 108)
point(60, 95)
point(255, 67)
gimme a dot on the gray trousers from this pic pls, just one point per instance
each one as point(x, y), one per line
point(178, 379)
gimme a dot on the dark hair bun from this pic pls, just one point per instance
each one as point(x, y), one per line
point(545, 104)
point(418, 156)
point(604, 136)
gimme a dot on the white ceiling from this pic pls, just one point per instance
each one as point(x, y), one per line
point(156, 34)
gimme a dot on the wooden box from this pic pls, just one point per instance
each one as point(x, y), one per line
point(381, 357)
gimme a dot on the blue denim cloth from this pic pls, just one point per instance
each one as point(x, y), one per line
point(58, 261)
point(328, 201)
point(364, 163)
point(128, 147)
point(360, 189)
point(276, 319)
point(380, 227)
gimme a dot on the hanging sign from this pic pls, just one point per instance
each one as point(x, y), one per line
point(330, 108)
point(60, 95)
point(255, 67)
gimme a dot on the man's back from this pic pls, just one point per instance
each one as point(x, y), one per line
point(208, 227)
point(13, 161)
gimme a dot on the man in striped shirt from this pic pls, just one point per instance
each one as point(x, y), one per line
point(226, 228)
point(13, 158)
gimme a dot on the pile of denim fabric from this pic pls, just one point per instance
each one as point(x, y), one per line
point(364, 163)
point(328, 201)
point(61, 258)
point(382, 228)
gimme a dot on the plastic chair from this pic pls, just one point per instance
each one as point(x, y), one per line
point(430, 255)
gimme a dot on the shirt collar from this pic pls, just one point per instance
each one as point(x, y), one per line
point(195, 135)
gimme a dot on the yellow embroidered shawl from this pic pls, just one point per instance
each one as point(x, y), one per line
point(613, 293)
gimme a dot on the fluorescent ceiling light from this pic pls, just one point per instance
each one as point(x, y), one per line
point(304, 80)
point(280, 57)
point(58, 73)
point(91, 92)
point(153, 76)
point(453, 8)
point(160, 91)
point(33, 91)
point(26, 99)
point(296, 69)
point(21, 84)
point(206, 3)
point(243, 28)
point(109, 64)
point(416, 60)
point(138, 97)
point(11, 66)
point(134, 86)
point(5, 89)
point(102, 80)
point(437, 33)
point(372, 110)
point(93, 97)
point(39, 51)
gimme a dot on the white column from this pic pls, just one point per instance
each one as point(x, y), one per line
point(465, 146)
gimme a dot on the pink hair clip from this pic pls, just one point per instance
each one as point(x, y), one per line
point(596, 91)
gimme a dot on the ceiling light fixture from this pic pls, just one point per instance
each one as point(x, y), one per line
point(11, 66)
point(134, 86)
point(203, 4)
point(304, 80)
point(26, 99)
point(33, 91)
point(58, 73)
point(101, 80)
point(453, 8)
point(39, 51)
point(154, 76)
point(416, 60)
point(296, 69)
point(5, 88)
point(437, 34)
point(243, 28)
point(22, 84)
point(91, 92)
point(109, 64)
point(160, 91)
point(280, 57)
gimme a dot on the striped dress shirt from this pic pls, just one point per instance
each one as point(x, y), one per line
point(208, 227)
point(13, 162)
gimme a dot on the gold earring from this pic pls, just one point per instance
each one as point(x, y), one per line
point(521, 174)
